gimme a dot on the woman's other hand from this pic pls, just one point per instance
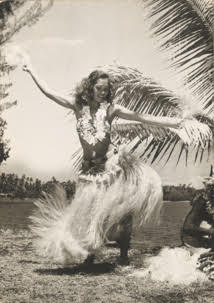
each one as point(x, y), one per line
point(27, 68)
point(26, 64)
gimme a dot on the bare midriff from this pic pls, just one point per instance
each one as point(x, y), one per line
point(97, 151)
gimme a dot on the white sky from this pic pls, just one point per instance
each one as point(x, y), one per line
point(68, 42)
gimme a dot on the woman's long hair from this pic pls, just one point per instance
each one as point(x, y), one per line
point(84, 91)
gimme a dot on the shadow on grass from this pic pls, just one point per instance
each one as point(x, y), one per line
point(94, 269)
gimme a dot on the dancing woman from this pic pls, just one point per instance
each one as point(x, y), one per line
point(112, 187)
point(92, 101)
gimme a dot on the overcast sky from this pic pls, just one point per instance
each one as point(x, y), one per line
point(68, 42)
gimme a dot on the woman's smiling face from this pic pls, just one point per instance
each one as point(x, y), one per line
point(101, 90)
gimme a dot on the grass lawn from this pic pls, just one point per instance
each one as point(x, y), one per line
point(26, 277)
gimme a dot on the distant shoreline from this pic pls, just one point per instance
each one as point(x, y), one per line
point(32, 200)
point(17, 200)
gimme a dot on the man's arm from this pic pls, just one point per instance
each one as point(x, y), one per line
point(200, 231)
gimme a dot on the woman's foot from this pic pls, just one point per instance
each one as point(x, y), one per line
point(89, 260)
point(123, 261)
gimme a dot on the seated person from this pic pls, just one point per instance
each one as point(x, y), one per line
point(198, 227)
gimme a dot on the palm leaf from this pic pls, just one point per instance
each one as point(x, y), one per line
point(153, 143)
point(23, 12)
point(77, 158)
point(7, 105)
point(185, 29)
point(135, 91)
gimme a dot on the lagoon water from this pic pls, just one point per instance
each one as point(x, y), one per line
point(14, 215)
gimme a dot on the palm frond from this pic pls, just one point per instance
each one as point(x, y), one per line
point(153, 143)
point(23, 12)
point(139, 93)
point(185, 29)
point(7, 105)
point(77, 158)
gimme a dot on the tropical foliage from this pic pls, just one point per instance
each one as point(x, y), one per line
point(14, 15)
point(140, 93)
point(181, 192)
point(184, 29)
point(13, 186)
point(4, 149)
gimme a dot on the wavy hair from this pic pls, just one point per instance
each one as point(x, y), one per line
point(84, 91)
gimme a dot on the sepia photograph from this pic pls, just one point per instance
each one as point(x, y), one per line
point(107, 151)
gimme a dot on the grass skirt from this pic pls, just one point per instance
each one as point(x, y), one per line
point(69, 231)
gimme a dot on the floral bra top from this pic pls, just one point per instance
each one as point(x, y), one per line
point(93, 130)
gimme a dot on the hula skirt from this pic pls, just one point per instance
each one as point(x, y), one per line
point(69, 230)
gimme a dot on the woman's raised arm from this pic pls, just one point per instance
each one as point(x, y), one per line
point(124, 113)
point(59, 98)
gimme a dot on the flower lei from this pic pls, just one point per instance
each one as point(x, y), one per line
point(93, 130)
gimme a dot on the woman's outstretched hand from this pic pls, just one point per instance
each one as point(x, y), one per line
point(27, 68)
point(26, 65)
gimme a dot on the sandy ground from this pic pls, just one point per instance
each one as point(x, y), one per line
point(26, 277)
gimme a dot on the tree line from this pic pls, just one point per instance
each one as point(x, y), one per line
point(13, 186)
point(181, 192)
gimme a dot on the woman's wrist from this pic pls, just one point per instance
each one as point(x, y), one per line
point(27, 68)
